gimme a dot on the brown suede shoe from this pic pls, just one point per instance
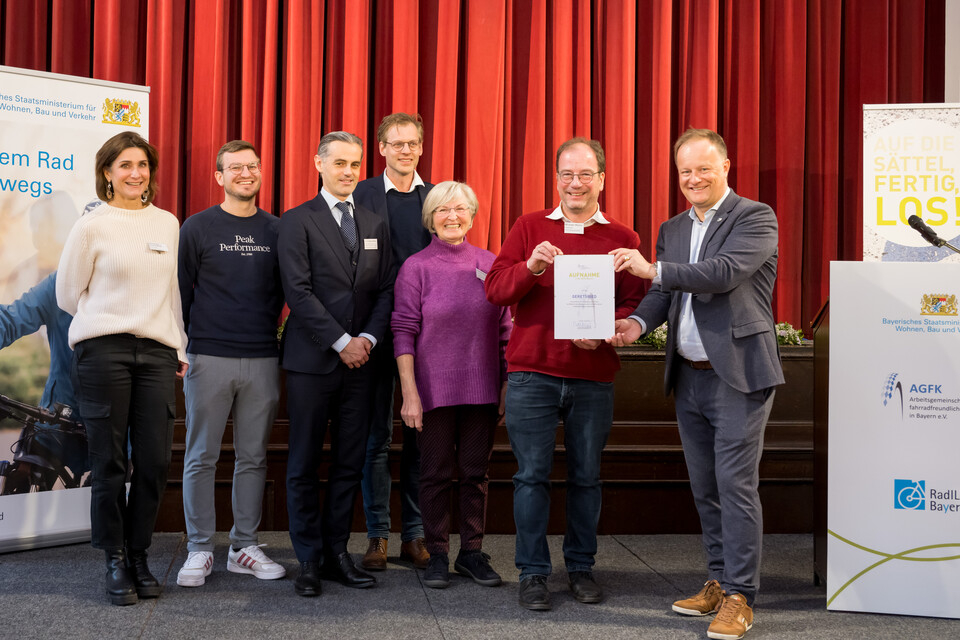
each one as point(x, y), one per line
point(375, 559)
point(704, 603)
point(733, 620)
point(415, 551)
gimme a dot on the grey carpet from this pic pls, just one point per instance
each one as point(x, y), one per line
point(58, 593)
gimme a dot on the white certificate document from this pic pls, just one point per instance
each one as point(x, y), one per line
point(583, 296)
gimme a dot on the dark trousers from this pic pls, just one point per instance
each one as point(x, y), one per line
point(126, 390)
point(312, 400)
point(455, 438)
point(722, 434)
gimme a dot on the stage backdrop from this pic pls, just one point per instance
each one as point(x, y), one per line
point(50, 129)
point(501, 83)
point(911, 153)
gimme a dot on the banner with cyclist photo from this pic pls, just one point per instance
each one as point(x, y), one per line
point(51, 127)
point(893, 486)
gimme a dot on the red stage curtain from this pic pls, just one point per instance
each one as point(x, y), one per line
point(166, 27)
point(501, 83)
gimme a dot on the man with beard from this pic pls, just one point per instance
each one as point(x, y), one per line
point(231, 294)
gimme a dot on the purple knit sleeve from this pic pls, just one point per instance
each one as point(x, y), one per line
point(407, 318)
point(506, 326)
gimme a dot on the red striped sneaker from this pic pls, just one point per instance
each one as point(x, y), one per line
point(196, 569)
point(254, 561)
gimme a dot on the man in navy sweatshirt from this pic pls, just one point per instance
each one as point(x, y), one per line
point(396, 196)
point(231, 294)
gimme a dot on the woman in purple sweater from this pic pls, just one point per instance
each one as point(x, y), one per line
point(449, 343)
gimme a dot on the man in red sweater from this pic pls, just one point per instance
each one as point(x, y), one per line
point(551, 380)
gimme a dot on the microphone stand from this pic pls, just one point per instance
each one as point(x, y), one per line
point(929, 234)
point(943, 243)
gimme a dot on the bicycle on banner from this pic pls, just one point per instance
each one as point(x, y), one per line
point(35, 465)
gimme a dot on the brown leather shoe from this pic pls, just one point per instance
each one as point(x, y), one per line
point(375, 559)
point(415, 551)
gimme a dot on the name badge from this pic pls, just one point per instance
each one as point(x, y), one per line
point(573, 227)
point(370, 244)
point(158, 247)
point(481, 275)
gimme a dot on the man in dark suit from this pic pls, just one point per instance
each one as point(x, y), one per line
point(337, 273)
point(713, 283)
point(397, 197)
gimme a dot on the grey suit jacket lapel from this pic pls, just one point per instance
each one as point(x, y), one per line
point(719, 218)
point(683, 239)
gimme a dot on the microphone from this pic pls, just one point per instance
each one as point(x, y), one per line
point(928, 234)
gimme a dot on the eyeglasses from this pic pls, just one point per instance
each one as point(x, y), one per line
point(398, 146)
point(585, 177)
point(237, 169)
point(459, 210)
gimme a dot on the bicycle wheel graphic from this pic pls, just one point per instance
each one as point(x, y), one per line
point(910, 497)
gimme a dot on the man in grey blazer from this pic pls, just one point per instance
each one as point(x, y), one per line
point(713, 283)
point(336, 268)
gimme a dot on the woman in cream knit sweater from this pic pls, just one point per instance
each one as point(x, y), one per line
point(118, 278)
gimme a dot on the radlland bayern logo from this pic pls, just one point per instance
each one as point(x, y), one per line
point(909, 494)
point(938, 304)
point(123, 112)
point(915, 495)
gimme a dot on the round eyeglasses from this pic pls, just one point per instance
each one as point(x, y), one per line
point(398, 146)
point(585, 177)
point(237, 169)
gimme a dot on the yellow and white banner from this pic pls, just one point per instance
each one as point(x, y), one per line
point(911, 166)
point(51, 127)
point(893, 487)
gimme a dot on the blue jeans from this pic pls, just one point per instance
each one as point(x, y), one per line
point(377, 481)
point(536, 403)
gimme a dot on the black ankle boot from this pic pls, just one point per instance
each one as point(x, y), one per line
point(120, 585)
point(147, 586)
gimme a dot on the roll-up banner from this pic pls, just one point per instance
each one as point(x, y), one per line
point(51, 127)
point(911, 159)
point(893, 487)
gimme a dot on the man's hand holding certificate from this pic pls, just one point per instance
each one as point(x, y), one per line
point(583, 297)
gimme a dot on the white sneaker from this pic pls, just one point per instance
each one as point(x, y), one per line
point(252, 560)
point(195, 570)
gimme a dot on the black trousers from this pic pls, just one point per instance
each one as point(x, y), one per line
point(312, 400)
point(126, 391)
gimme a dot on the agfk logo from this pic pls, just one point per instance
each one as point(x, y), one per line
point(892, 391)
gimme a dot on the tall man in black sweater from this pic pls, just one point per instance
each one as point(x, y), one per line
point(231, 294)
point(397, 197)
